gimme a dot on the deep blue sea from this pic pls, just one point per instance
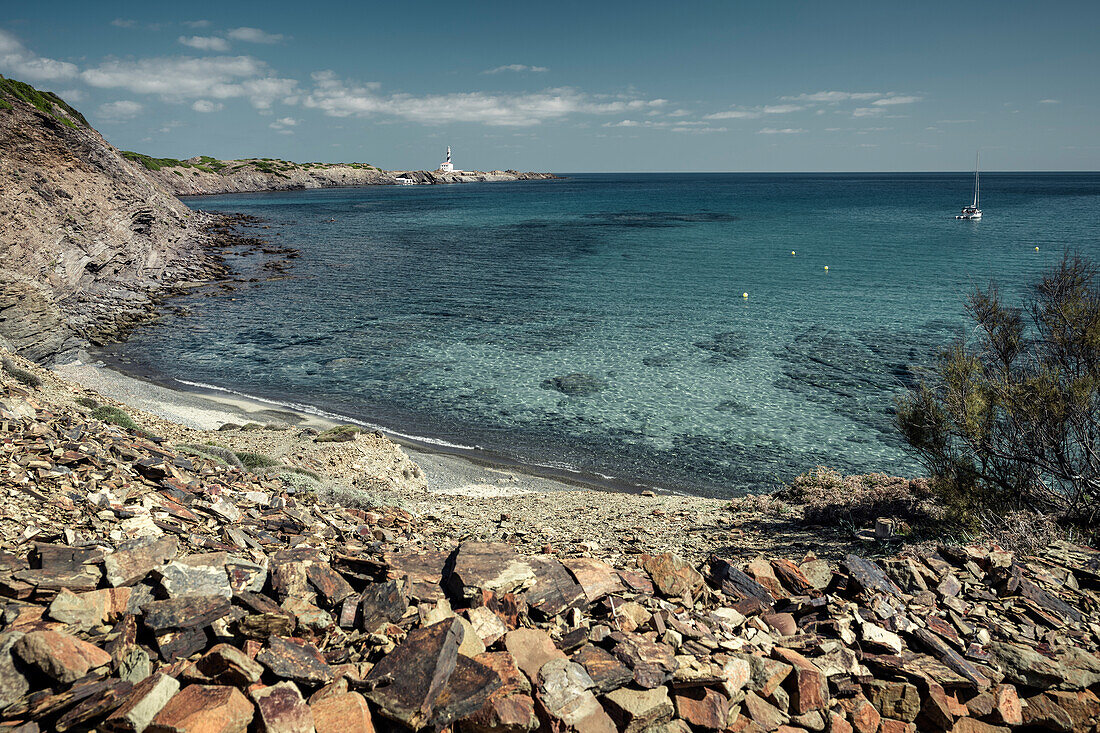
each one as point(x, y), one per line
point(447, 312)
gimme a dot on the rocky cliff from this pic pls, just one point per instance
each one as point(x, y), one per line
point(87, 241)
point(203, 175)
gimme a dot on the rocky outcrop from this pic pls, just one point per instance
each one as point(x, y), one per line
point(145, 589)
point(86, 240)
point(202, 175)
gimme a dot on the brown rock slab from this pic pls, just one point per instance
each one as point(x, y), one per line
point(702, 707)
point(898, 700)
point(488, 626)
point(636, 710)
point(606, 670)
point(510, 708)
point(13, 685)
point(869, 577)
point(281, 709)
point(487, 566)
point(344, 713)
point(381, 603)
point(809, 690)
point(596, 578)
point(555, 590)
point(296, 660)
point(204, 709)
point(565, 696)
point(671, 575)
point(531, 648)
point(651, 661)
point(83, 610)
point(424, 571)
point(145, 700)
point(59, 656)
point(1043, 712)
point(228, 665)
point(133, 560)
point(763, 713)
point(1006, 706)
point(330, 585)
point(970, 725)
point(738, 584)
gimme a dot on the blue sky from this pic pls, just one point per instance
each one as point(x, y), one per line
point(580, 86)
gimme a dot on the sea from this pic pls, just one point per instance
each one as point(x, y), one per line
point(711, 334)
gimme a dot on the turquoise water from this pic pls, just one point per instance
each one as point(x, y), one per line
point(443, 311)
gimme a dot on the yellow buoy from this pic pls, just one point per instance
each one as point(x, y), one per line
point(792, 253)
point(1036, 249)
point(745, 295)
point(826, 267)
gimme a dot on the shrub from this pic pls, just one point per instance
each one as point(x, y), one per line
point(256, 460)
point(114, 416)
point(1010, 421)
point(47, 102)
point(831, 497)
point(21, 375)
point(339, 434)
point(86, 402)
point(214, 452)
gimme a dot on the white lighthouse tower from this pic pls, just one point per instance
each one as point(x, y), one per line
point(446, 166)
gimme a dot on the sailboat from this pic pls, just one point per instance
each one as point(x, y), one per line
point(972, 211)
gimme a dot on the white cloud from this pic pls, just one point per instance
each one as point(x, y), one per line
point(72, 95)
point(197, 23)
point(205, 105)
point(20, 62)
point(899, 99)
point(254, 35)
point(954, 122)
point(752, 113)
point(832, 97)
point(283, 124)
point(180, 78)
point(868, 112)
point(205, 43)
point(338, 98)
point(679, 113)
point(780, 131)
point(516, 67)
point(119, 111)
point(695, 126)
point(124, 23)
point(1050, 101)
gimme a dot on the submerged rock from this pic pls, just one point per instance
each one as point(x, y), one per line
point(576, 384)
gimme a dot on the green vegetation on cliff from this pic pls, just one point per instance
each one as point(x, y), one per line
point(47, 102)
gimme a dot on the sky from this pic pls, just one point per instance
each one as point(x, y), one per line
point(570, 86)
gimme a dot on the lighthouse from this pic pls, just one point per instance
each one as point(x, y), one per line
point(446, 166)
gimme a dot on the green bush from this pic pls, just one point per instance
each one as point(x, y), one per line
point(87, 402)
point(21, 375)
point(339, 434)
point(256, 460)
point(47, 102)
point(154, 164)
point(1010, 420)
point(213, 452)
point(114, 416)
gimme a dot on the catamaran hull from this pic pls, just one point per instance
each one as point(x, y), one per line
point(969, 216)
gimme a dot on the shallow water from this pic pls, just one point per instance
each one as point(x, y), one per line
point(444, 311)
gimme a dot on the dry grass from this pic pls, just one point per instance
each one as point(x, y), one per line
point(829, 496)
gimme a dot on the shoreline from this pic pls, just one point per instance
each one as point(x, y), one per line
point(309, 415)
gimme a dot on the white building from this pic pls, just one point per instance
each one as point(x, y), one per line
point(446, 166)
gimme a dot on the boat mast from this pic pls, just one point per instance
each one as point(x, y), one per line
point(976, 180)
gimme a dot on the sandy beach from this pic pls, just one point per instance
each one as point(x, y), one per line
point(458, 497)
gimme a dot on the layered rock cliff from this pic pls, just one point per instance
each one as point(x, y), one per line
point(203, 175)
point(87, 241)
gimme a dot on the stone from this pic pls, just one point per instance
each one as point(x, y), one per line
point(424, 571)
point(204, 709)
point(636, 710)
point(564, 691)
point(487, 566)
point(296, 660)
point(817, 572)
point(381, 603)
point(766, 674)
point(605, 670)
point(651, 661)
point(187, 612)
point(83, 610)
point(13, 685)
point(344, 713)
point(761, 571)
point(135, 559)
point(783, 623)
point(596, 578)
point(763, 713)
point(671, 575)
point(510, 708)
point(880, 637)
point(531, 648)
point(702, 707)
point(471, 644)
point(898, 700)
point(1042, 711)
point(952, 659)
point(228, 665)
point(865, 718)
point(869, 577)
point(970, 725)
point(838, 723)
point(738, 584)
point(889, 725)
point(1006, 706)
point(555, 591)
point(330, 585)
point(59, 656)
point(426, 681)
point(178, 580)
point(487, 625)
point(281, 709)
point(1082, 706)
point(792, 577)
point(809, 690)
point(147, 698)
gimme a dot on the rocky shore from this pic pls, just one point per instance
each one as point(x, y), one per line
point(203, 175)
point(148, 586)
